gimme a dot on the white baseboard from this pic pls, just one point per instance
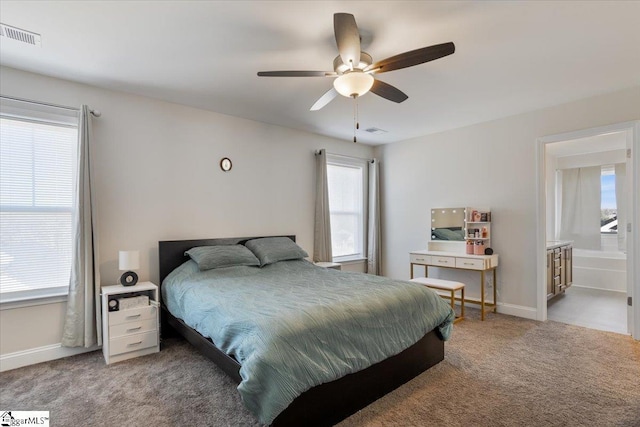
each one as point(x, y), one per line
point(40, 354)
point(599, 289)
point(510, 309)
point(518, 310)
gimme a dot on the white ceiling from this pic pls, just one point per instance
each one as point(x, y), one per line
point(511, 57)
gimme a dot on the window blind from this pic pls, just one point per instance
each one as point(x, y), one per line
point(38, 166)
point(347, 208)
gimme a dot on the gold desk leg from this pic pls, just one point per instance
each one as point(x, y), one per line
point(411, 267)
point(495, 292)
point(481, 294)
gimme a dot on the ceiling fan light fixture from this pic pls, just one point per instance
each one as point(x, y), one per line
point(354, 68)
point(354, 83)
point(341, 68)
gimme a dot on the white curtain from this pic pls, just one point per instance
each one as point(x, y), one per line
point(322, 227)
point(374, 252)
point(580, 216)
point(82, 326)
point(621, 205)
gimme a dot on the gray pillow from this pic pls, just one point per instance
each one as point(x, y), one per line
point(274, 249)
point(209, 257)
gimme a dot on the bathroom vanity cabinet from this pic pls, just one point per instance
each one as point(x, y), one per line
point(559, 267)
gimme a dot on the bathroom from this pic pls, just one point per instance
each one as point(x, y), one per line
point(586, 200)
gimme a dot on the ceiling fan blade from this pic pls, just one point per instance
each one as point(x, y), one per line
point(411, 58)
point(297, 74)
point(387, 91)
point(347, 38)
point(324, 99)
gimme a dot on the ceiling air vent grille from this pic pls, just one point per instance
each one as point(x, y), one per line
point(376, 131)
point(20, 35)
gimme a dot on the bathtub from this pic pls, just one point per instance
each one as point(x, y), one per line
point(600, 269)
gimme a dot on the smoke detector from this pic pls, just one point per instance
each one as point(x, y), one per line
point(20, 35)
point(376, 131)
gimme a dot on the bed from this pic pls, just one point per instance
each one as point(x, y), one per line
point(184, 288)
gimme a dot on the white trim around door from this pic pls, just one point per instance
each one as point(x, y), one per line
point(633, 236)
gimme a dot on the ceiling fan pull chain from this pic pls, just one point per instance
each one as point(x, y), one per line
point(356, 125)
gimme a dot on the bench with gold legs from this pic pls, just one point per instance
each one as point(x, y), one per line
point(445, 285)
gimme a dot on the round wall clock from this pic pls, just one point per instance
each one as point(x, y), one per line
point(225, 164)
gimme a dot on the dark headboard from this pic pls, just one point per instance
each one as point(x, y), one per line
point(171, 252)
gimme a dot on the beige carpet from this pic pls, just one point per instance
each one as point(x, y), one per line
point(505, 371)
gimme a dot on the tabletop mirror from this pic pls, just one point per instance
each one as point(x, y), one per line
point(447, 224)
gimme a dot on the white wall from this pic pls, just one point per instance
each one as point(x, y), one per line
point(610, 157)
point(489, 164)
point(553, 195)
point(30, 327)
point(158, 178)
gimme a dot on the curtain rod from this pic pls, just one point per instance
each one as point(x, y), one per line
point(347, 157)
point(95, 113)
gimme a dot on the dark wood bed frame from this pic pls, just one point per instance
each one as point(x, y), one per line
point(325, 404)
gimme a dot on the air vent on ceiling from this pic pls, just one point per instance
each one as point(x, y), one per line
point(20, 35)
point(376, 131)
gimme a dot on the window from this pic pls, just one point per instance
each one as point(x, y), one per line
point(608, 205)
point(38, 156)
point(347, 180)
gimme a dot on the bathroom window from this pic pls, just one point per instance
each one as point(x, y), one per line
point(608, 205)
point(586, 193)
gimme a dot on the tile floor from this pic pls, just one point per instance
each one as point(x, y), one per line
point(591, 308)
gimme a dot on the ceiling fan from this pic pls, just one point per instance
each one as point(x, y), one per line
point(354, 69)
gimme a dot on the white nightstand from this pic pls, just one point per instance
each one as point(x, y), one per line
point(130, 332)
point(334, 265)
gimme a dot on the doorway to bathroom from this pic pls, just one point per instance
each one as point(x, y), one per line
point(586, 189)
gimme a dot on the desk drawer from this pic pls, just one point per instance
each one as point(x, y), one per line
point(470, 263)
point(132, 314)
point(135, 327)
point(420, 259)
point(443, 261)
point(132, 343)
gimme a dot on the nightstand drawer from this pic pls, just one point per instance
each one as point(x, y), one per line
point(470, 263)
point(135, 327)
point(132, 343)
point(420, 259)
point(443, 261)
point(132, 314)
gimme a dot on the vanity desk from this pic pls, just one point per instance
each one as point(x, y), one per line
point(460, 238)
point(444, 259)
